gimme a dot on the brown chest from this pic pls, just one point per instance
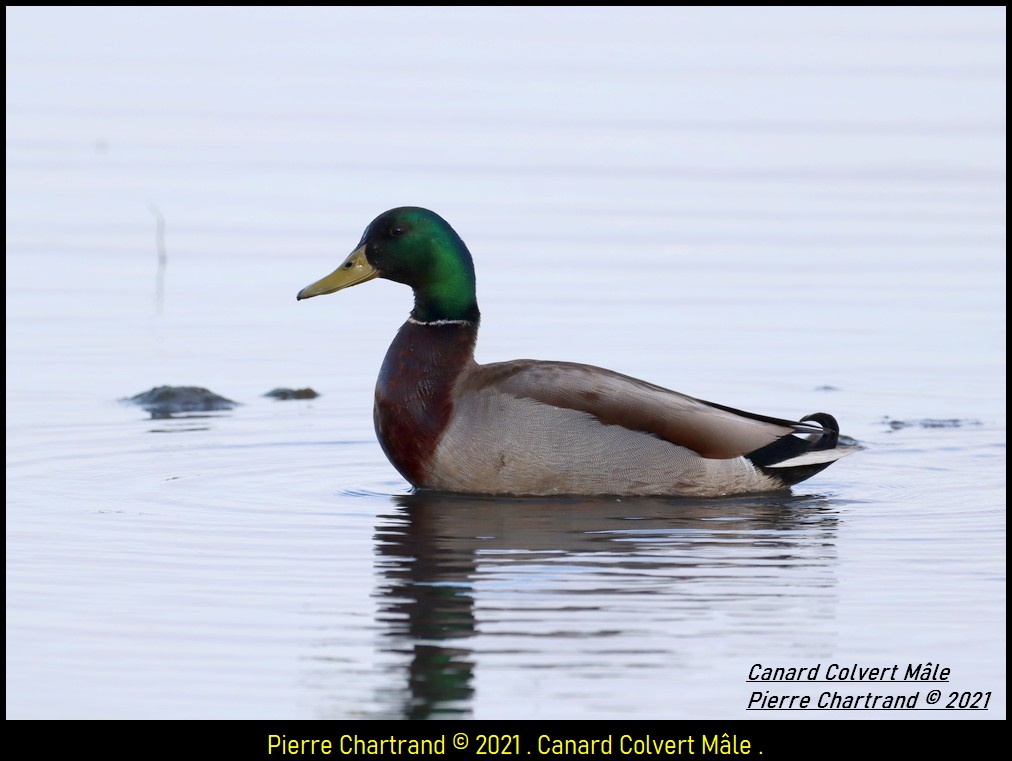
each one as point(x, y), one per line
point(415, 389)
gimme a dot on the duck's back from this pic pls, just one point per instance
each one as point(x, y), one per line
point(530, 427)
point(498, 443)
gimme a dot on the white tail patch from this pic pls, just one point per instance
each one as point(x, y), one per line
point(816, 457)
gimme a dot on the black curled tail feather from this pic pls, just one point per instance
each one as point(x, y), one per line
point(831, 430)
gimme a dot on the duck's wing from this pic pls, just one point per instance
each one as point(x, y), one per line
point(710, 430)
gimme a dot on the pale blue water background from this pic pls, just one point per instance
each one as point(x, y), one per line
point(779, 210)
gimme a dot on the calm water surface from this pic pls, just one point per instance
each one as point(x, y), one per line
point(783, 211)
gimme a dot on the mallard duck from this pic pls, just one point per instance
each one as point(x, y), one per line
point(531, 427)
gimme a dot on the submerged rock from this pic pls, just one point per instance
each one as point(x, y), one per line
point(897, 425)
point(292, 393)
point(162, 401)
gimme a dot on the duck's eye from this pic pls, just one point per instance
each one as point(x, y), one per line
point(396, 231)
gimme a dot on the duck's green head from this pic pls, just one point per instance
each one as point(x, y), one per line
point(416, 247)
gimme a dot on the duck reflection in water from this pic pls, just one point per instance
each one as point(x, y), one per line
point(589, 558)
